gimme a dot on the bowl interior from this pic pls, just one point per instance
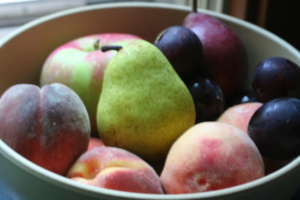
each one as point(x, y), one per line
point(23, 52)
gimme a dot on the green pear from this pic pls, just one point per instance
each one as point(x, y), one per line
point(144, 105)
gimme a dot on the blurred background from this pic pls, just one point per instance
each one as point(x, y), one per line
point(278, 16)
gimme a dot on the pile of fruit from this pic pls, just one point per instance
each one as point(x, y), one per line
point(169, 116)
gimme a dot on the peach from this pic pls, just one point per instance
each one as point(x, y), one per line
point(211, 156)
point(239, 115)
point(94, 142)
point(49, 126)
point(117, 169)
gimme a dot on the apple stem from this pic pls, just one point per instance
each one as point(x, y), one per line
point(112, 47)
point(195, 6)
point(97, 44)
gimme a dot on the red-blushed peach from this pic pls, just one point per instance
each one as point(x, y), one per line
point(239, 115)
point(211, 156)
point(117, 169)
point(49, 126)
point(94, 142)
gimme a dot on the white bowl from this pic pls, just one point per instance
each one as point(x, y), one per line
point(23, 52)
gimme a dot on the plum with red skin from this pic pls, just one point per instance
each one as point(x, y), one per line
point(224, 55)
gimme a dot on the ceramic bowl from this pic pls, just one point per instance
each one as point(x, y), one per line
point(23, 52)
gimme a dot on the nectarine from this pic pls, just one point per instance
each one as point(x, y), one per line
point(94, 142)
point(239, 115)
point(117, 169)
point(211, 156)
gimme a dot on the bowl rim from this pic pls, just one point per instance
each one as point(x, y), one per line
point(71, 185)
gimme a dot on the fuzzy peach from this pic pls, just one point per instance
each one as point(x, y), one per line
point(117, 169)
point(211, 156)
point(239, 115)
point(49, 126)
point(94, 142)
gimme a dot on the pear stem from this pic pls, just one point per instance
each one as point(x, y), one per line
point(195, 6)
point(112, 47)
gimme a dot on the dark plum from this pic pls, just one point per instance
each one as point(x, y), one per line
point(275, 128)
point(183, 49)
point(276, 77)
point(208, 99)
point(243, 96)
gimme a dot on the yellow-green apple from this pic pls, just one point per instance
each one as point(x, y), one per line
point(117, 169)
point(211, 156)
point(239, 115)
point(80, 64)
point(49, 126)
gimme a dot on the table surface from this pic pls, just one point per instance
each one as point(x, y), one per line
point(7, 193)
